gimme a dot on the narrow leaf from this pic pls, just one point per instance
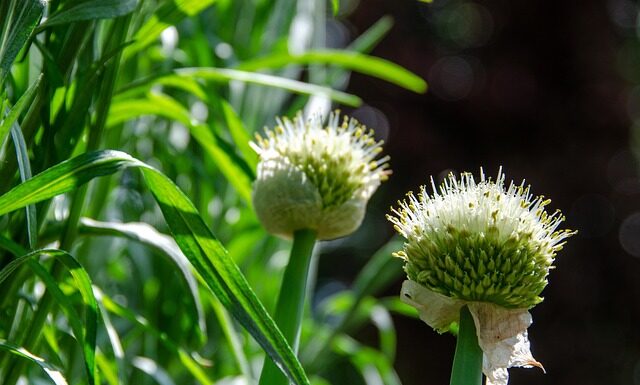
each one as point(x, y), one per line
point(167, 107)
point(368, 65)
point(187, 360)
point(171, 13)
point(91, 10)
point(240, 134)
point(25, 173)
point(17, 31)
point(14, 113)
point(148, 235)
point(196, 241)
point(54, 374)
point(225, 74)
point(85, 332)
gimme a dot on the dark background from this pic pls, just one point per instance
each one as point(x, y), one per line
point(546, 89)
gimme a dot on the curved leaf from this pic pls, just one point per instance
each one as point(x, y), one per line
point(54, 374)
point(91, 10)
point(197, 242)
point(85, 333)
point(366, 64)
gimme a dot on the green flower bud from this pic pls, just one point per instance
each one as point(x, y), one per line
point(316, 177)
point(480, 241)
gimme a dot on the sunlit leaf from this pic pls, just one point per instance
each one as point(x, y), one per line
point(85, 332)
point(171, 13)
point(91, 10)
point(369, 65)
point(17, 30)
point(25, 173)
point(196, 241)
point(54, 374)
point(14, 113)
point(148, 235)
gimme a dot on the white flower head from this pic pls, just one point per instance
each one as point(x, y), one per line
point(484, 245)
point(316, 176)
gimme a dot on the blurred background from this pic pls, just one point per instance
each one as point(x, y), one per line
point(549, 91)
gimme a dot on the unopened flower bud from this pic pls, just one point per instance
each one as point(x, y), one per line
point(315, 176)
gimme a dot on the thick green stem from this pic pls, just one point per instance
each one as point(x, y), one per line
point(290, 305)
point(467, 363)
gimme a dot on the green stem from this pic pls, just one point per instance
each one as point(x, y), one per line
point(290, 305)
point(467, 363)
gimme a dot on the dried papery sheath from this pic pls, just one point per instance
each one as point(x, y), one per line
point(485, 245)
point(316, 176)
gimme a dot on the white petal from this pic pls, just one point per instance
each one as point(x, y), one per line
point(502, 335)
point(437, 310)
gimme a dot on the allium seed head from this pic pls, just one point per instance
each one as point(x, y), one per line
point(482, 241)
point(486, 246)
point(315, 176)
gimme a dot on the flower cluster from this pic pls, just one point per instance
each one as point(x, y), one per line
point(484, 245)
point(316, 176)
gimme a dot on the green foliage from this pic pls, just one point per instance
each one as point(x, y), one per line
point(106, 272)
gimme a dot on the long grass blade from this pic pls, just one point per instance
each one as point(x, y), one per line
point(148, 235)
point(54, 374)
point(167, 107)
point(196, 241)
point(170, 13)
point(91, 10)
point(225, 74)
point(85, 332)
point(25, 173)
point(369, 65)
point(14, 113)
point(16, 32)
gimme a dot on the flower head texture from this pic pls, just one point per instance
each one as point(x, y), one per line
point(316, 176)
point(485, 245)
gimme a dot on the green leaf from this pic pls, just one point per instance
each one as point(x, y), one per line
point(65, 177)
point(18, 26)
point(225, 74)
point(368, 65)
point(167, 107)
point(171, 13)
point(197, 242)
point(240, 134)
point(54, 374)
point(235, 174)
point(187, 360)
point(162, 105)
point(85, 332)
point(12, 117)
point(91, 10)
point(25, 173)
point(148, 235)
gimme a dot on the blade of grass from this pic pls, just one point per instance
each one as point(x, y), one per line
point(225, 74)
point(196, 241)
point(368, 65)
point(14, 113)
point(165, 106)
point(54, 374)
point(171, 13)
point(85, 332)
point(90, 10)
point(25, 173)
point(148, 235)
point(239, 133)
point(18, 28)
point(187, 360)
